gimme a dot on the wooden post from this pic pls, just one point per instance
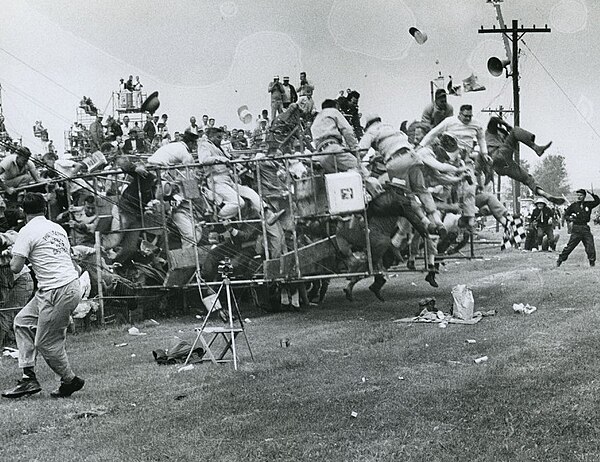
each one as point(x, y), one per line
point(98, 249)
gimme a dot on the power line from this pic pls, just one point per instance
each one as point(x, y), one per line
point(562, 91)
point(37, 102)
point(40, 72)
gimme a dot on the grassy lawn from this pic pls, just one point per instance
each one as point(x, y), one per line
point(415, 389)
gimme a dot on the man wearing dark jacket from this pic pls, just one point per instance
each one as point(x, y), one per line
point(578, 215)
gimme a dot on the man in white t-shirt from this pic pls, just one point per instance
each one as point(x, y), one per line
point(41, 326)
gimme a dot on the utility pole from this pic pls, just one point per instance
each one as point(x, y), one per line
point(499, 111)
point(514, 34)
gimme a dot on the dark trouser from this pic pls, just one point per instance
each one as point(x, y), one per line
point(545, 231)
point(580, 233)
point(504, 163)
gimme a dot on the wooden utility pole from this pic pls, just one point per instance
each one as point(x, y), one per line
point(499, 111)
point(514, 34)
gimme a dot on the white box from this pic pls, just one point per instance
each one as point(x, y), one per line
point(345, 192)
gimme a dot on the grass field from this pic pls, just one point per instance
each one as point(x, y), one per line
point(415, 389)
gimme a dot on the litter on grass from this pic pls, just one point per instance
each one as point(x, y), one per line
point(10, 352)
point(354, 414)
point(135, 331)
point(482, 359)
point(189, 367)
point(523, 309)
point(93, 412)
point(428, 317)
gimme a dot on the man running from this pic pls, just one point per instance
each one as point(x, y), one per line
point(41, 326)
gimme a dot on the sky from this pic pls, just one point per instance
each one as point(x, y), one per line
point(213, 56)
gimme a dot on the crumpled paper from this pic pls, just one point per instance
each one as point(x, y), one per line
point(523, 309)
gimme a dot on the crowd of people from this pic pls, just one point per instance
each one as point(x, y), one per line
point(249, 196)
point(426, 183)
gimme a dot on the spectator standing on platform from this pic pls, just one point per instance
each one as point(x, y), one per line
point(277, 92)
point(289, 93)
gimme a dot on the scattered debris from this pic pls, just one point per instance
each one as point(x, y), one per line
point(354, 414)
point(135, 331)
point(189, 367)
point(10, 352)
point(523, 309)
point(470, 340)
point(119, 345)
point(329, 351)
point(247, 320)
point(284, 342)
point(133, 355)
point(464, 303)
point(493, 312)
point(93, 412)
point(180, 397)
point(482, 359)
point(400, 378)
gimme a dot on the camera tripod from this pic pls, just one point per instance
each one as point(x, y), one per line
point(229, 332)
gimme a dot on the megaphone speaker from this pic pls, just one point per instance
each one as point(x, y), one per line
point(496, 65)
point(151, 103)
point(420, 37)
point(244, 114)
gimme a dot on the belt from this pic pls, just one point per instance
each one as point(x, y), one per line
point(328, 142)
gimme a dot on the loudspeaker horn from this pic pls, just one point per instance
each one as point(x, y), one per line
point(420, 37)
point(496, 65)
point(151, 103)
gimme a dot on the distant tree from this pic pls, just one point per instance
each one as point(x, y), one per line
point(551, 175)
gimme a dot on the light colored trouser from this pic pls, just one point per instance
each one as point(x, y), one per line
point(231, 195)
point(182, 218)
point(487, 202)
point(409, 168)
point(332, 162)
point(41, 326)
point(431, 242)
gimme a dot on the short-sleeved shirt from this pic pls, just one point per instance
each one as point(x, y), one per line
point(10, 168)
point(46, 245)
point(175, 153)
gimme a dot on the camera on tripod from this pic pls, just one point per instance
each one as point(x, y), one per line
point(225, 268)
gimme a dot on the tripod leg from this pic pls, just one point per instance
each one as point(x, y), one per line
point(229, 303)
point(239, 315)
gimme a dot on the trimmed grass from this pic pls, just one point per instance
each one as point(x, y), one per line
point(536, 398)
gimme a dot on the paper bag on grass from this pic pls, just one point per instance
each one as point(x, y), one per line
point(463, 304)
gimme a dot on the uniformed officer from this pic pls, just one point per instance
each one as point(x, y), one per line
point(578, 215)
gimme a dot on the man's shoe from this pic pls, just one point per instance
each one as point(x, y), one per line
point(67, 389)
point(558, 262)
point(592, 263)
point(272, 217)
point(430, 278)
point(377, 291)
point(557, 200)
point(24, 387)
point(410, 264)
point(539, 150)
point(441, 231)
point(348, 293)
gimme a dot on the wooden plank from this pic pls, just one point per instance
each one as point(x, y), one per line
point(311, 257)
